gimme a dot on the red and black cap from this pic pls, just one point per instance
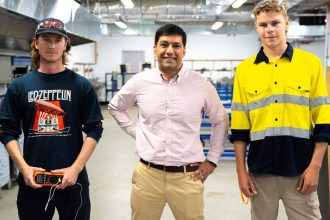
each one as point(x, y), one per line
point(51, 25)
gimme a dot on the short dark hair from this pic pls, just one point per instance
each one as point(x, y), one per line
point(171, 29)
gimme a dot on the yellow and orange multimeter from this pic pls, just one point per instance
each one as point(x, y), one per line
point(44, 178)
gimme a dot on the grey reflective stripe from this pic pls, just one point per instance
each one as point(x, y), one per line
point(280, 131)
point(282, 98)
point(259, 103)
point(236, 106)
point(323, 100)
point(299, 100)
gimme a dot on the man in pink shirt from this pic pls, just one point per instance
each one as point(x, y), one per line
point(171, 100)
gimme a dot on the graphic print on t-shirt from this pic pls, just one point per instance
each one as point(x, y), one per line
point(49, 119)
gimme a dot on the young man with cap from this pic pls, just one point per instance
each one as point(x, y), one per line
point(52, 105)
point(281, 108)
point(171, 99)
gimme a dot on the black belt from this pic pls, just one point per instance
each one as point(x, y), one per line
point(173, 169)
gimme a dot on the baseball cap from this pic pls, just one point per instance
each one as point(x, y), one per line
point(51, 25)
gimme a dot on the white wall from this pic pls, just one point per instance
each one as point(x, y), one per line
point(221, 46)
point(109, 50)
point(84, 53)
point(315, 47)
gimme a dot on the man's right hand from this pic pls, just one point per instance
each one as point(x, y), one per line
point(246, 184)
point(27, 173)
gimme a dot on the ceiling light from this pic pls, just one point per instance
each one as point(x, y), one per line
point(104, 29)
point(216, 25)
point(121, 24)
point(128, 3)
point(218, 10)
point(238, 3)
point(130, 32)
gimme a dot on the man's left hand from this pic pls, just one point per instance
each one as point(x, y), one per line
point(203, 171)
point(308, 181)
point(70, 175)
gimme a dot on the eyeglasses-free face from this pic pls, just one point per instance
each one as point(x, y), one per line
point(169, 52)
point(272, 27)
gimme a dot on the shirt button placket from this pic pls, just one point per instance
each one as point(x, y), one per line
point(276, 90)
point(168, 109)
point(168, 119)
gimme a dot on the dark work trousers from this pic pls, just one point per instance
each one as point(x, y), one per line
point(31, 204)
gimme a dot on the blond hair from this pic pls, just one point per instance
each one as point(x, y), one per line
point(35, 56)
point(271, 6)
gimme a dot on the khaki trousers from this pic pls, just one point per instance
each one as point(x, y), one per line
point(270, 189)
point(153, 188)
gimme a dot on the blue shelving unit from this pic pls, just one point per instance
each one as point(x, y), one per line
point(225, 92)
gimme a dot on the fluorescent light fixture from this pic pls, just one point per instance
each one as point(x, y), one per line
point(128, 3)
point(216, 25)
point(218, 10)
point(130, 32)
point(121, 24)
point(238, 3)
point(104, 29)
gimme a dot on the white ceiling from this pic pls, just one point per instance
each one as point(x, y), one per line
point(195, 16)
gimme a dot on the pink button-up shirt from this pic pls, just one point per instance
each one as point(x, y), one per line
point(168, 128)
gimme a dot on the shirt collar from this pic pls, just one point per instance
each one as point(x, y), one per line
point(261, 56)
point(179, 76)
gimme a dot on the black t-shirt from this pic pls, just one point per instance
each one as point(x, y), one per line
point(52, 110)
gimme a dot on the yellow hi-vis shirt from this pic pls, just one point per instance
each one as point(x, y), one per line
point(278, 105)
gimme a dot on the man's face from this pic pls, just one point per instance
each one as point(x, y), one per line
point(272, 27)
point(51, 47)
point(169, 52)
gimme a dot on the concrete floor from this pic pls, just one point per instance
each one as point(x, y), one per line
point(110, 170)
